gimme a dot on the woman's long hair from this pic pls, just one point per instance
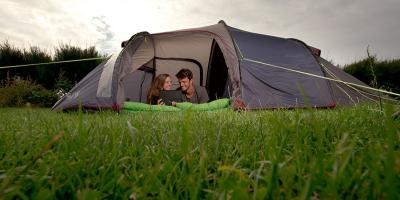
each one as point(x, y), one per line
point(157, 85)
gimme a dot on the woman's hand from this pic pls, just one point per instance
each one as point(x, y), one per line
point(160, 102)
point(173, 103)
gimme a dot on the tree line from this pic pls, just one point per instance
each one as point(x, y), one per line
point(53, 76)
point(41, 85)
point(383, 74)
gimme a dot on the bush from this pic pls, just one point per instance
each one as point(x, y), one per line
point(17, 93)
point(63, 83)
point(385, 73)
point(43, 98)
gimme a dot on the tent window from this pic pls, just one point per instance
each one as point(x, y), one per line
point(217, 76)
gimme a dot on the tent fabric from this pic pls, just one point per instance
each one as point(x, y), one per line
point(229, 62)
point(136, 54)
point(269, 87)
point(195, 46)
point(345, 94)
point(85, 93)
point(104, 86)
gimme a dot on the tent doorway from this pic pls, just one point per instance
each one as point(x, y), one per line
point(171, 66)
point(217, 76)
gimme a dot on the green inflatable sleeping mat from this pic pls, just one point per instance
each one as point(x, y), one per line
point(213, 105)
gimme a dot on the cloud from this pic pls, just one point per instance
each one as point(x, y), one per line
point(341, 28)
point(43, 23)
point(106, 44)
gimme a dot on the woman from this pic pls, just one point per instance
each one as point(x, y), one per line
point(161, 82)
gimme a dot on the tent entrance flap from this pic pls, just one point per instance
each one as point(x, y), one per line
point(142, 80)
point(217, 76)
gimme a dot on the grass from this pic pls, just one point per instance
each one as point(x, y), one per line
point(345, 153)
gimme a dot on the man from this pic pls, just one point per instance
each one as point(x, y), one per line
point(190, 92)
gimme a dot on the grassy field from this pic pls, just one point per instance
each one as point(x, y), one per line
point(344, 153)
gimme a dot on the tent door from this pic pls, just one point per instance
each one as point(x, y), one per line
point(217, 76)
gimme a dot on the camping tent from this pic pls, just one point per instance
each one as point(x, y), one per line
point(256, 71)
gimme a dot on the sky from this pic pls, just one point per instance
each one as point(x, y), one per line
point(342, 29)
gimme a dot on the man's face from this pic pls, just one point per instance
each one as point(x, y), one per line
point(185, 84)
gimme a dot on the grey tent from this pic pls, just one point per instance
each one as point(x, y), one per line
point(256, 71)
